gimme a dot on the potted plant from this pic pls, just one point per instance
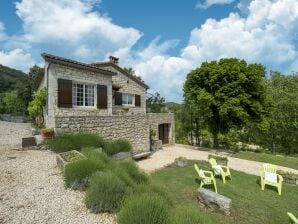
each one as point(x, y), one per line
point(47, 133)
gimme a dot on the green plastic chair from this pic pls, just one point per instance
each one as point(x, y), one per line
point(292, 218)
point(269, 172)
point(223, 171)
point(206, 177)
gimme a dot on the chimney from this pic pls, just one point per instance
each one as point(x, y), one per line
point(114, 60)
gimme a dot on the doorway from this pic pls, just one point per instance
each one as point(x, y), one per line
point(163, 133)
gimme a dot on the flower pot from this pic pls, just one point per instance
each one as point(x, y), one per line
point(47, 135)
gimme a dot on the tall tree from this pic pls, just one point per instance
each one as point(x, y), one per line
point(155, 103)
point(227, 94)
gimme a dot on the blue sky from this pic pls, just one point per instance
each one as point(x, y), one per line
point(161, 40)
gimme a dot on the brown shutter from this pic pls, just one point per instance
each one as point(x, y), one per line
point(102, 97)
point(118, 98)
point(64, 93)
point(137, 100)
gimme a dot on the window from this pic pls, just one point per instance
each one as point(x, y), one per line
point(83, 95)
point(127, 99)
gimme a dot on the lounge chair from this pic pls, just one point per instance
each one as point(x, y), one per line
point(292, 218)
point(206, 177)
point(223, 171)
point(270, 177)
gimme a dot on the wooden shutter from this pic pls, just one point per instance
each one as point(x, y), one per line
point(137, 100)
point(64, 93)
point(102, 97)
point(118, 98)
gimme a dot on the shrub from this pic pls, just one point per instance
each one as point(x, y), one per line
point(75, 141)
point(116, 146)
point(144, 209)
point(77, 174)
point(154, 189)
point(94, 154)
point(187, 215)
point(134, 172)
point(105, 193)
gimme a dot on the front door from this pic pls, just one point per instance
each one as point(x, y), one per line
point(163, 133)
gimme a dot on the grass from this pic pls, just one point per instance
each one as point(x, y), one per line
point(249, 203)
point(287, 161)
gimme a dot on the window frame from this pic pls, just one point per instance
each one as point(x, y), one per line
point(84, 94)
point(133, 100)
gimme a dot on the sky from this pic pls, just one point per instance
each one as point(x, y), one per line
point(161, 40)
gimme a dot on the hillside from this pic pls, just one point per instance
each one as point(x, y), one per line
point(11, 79)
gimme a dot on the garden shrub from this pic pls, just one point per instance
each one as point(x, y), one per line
point(134, 172)
point(188, 215)
point(95, 154)
point(154, 189)
point(144, 209)
point(77, 174)
point(75, 141)
point(105, 193)
point(116, 146)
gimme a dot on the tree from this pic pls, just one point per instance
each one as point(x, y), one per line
point(155, 103)
point(10, 103)
point(227, 94)
point(36, 106)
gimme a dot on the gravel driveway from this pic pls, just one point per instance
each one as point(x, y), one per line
point(167, 156)
point(32, 189)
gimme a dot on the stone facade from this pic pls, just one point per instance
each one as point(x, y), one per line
point(135, 128)
point(155, 119)
point(76, 75)
point(128, 86)
point(114, 122)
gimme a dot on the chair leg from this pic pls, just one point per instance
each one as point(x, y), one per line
point(223, 178)
point(215, 187)
point(262, 185)
point(279, 189)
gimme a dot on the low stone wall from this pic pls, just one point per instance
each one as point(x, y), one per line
point(135, 128)
point(155, 119)
point(11, 118)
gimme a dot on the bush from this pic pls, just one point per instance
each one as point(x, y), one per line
point(134, 172)
point(105, 193)
point(94, 154)
point(77, 174)
point(144, 209)
point(75, 141)
point(154, 189)
point(187, 215)
point(119, 145)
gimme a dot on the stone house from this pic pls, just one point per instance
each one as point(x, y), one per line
point(101, 97)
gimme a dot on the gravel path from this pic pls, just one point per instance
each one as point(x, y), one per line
point(167, 156)
point(31, 186)
point(32, 191)
point(11, 134)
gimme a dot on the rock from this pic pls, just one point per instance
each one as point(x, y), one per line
point(39, 139)
point(181, 162)
point(141, 155)
point(122, 155)
point(214, 200)
point(35, 131)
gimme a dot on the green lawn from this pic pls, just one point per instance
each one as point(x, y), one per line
point(249, 203)
point(280, 160)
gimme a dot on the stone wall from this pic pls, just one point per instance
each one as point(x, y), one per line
point(76, 75)
point(135, 128)
point(128, 86)
point(155, 119)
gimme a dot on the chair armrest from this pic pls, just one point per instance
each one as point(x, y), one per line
point(280, 178)
point(208, 172)
point(225, 167)
point(262, 174)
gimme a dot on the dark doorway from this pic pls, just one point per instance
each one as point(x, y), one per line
point(163, 133)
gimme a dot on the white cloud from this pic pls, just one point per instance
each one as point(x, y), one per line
point(208, 3)
point(259, 37)
point(3, 35)
point(17, 59)
point(69, 24)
